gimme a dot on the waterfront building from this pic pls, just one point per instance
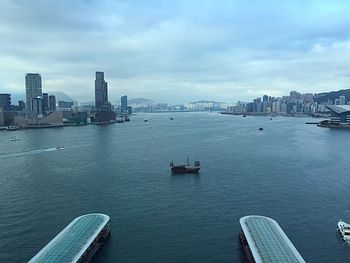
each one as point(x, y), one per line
point(53, 119)
point(33, 89)
point(101, 90)
point(78, 242)
point(52, 103)
point(340, 117)
point(65, 104)
point(45, 102)
point(263, 240)
point(124, 103)
point(5, 102)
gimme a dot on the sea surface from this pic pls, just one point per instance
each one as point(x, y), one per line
point(297, 174)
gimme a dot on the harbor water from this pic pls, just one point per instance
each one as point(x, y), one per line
point(295, 173)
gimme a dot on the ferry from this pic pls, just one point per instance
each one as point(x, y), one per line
point(344, 230)
point(183, 169)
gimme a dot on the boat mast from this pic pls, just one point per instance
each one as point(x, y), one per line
point(188, 161)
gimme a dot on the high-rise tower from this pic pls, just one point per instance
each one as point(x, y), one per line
point(101, 92)
point(124, 103)
point(33, 89)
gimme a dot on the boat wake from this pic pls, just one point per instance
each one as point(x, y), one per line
point(26, 153)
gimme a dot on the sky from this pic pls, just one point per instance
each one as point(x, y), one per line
point(176, 51)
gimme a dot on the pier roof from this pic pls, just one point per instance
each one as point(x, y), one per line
point(267, 241)
point(71, 243)
point(339, 109)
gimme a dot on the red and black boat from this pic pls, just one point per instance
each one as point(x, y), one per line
point(183, 169)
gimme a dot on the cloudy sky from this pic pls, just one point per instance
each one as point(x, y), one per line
point(176, 51)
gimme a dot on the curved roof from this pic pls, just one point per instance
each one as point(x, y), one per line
point(267, 241)
point(339, 109)
point(71, 243)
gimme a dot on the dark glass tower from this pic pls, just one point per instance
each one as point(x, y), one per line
point(101, 93)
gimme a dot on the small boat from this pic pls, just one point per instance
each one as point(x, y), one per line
point(270, 119)
point(61, 147)
point(183, 169)
point(13, 138)
point(145, 120)
point(126, 118)
point(171, 118)
point(261, 129)
point(344, 230)
point(12, 128)
point(244, 115)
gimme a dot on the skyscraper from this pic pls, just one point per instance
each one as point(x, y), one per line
point(52, 103)
point(124, 103)
point(5, 102)
point(342, 100)
point(33, 89)
point(45, 102)
point(101, 93)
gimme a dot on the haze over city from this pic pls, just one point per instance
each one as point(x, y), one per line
point(176, 51)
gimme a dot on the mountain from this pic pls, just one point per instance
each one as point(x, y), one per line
point(325, 96)
point(15, 97)
point(62, 96)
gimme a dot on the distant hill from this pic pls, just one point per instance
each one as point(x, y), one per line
point(325, 96)
point(15, 97)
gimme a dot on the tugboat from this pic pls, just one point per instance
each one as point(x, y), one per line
point(183, 169)
point(344, 230)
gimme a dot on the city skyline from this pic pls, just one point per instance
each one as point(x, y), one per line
point(175, 51)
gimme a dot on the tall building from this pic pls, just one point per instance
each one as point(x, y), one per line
point(21, 105)
point(33, 89)
point(124, 103)
point(37, 104)
point(5, 102)
point(45, 102)
point(101, 93)
point(52, 103)
point(342, 100)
